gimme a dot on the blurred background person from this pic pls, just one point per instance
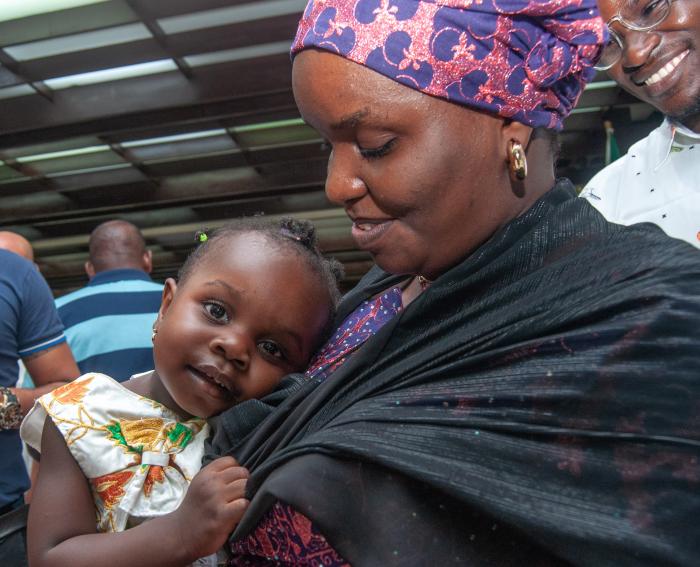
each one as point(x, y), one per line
point(109, 322)
point(30, 330)
point(653, 54)
point(16, 243)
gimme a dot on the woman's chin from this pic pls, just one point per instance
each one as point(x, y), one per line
point(396, 263)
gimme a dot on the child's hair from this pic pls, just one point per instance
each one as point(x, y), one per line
point(298, 236)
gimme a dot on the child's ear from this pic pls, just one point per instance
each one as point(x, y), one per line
point(169, 290)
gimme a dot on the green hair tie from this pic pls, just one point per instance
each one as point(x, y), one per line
point(201, 236)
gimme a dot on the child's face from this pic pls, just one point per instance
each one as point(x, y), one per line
point(247, 315)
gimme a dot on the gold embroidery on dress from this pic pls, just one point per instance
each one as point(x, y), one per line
point(68, 408)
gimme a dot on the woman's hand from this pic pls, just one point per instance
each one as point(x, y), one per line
point(213, 506)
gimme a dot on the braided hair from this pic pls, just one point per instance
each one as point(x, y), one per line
point(296, 235)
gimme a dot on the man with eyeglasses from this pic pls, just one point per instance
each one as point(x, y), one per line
point(654, 53)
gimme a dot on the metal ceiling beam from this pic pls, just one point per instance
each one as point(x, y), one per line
point(98, 119)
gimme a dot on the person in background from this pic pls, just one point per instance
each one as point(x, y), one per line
point(30, 330)
point(16, 243)
point(108, 322)
point(516, 381)
point(654, 53)
point(19, 245)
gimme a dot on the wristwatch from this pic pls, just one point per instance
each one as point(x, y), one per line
point(10, 410)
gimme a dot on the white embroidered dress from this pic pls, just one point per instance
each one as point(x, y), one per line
point(137, 456)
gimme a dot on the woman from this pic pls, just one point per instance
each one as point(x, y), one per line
point(516, 381)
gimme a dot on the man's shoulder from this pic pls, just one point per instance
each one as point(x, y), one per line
point(14, 267)
point(136, 285)
point(20, 278)
point(603, 190)
point(616, 183)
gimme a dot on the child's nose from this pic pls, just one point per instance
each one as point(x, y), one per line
point(235, 347)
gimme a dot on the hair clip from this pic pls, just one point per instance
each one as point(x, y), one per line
point(201, 236)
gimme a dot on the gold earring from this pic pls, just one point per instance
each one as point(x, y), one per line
point(155, 332)
point(517, 161)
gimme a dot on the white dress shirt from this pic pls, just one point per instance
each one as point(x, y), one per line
point(657, 181)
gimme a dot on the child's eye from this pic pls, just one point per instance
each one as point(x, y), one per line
point(381, 151)
point(269, 348)
point(216, 311)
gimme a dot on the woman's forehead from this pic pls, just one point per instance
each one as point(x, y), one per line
point(334, 79)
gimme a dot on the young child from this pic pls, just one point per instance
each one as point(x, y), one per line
point(251, 305)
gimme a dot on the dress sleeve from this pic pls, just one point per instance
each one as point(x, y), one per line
point(33, 425)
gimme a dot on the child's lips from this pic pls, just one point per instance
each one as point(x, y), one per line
point(222, 384)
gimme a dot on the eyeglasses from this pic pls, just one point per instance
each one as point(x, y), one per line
point(641, 16)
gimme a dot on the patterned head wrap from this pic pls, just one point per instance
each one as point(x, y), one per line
point(527, 60)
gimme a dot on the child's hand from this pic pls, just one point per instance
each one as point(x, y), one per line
point(213, 506)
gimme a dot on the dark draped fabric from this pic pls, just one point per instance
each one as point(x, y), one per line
point(539, 403)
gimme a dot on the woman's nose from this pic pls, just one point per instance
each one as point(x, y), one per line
point(637, 48)
point(343, 184)
point(234, 347)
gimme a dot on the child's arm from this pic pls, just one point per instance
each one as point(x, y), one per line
point(62, 528)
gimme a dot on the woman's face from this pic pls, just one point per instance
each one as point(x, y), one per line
point(422, 179)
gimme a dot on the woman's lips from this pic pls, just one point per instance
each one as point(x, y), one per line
point(367, 232)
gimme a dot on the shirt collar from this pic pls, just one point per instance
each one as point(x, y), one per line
point(110, 276)
point(671, 133)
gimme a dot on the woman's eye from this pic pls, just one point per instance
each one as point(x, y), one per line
point(271, 349)
point(381, 151)
point(216, 311)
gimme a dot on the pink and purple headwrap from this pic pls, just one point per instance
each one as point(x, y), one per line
point(522, 59)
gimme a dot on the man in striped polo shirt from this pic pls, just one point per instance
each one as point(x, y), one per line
point(109, 322)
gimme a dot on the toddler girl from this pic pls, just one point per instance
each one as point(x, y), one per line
point(251, 305)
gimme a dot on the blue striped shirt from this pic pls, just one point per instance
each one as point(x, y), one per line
point(109, 322)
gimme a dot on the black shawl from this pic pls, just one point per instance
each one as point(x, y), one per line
point(539, 403)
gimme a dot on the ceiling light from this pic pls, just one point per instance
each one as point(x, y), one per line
point(78, 42)
point(14, 9)
point(63, 154)
point(586, 109)
point(16, 90)
point(174, 138)
point(97, 169)
point(230, 15)
point(115, 74)
point(238, 54)
point(598, 85)
point(268, 125)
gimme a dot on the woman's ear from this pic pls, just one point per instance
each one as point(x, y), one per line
point(515, 139)
point(513, 131)
point(169, 290)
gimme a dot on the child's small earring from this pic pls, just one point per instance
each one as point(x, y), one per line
point(517, 161)
point(155, 332)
